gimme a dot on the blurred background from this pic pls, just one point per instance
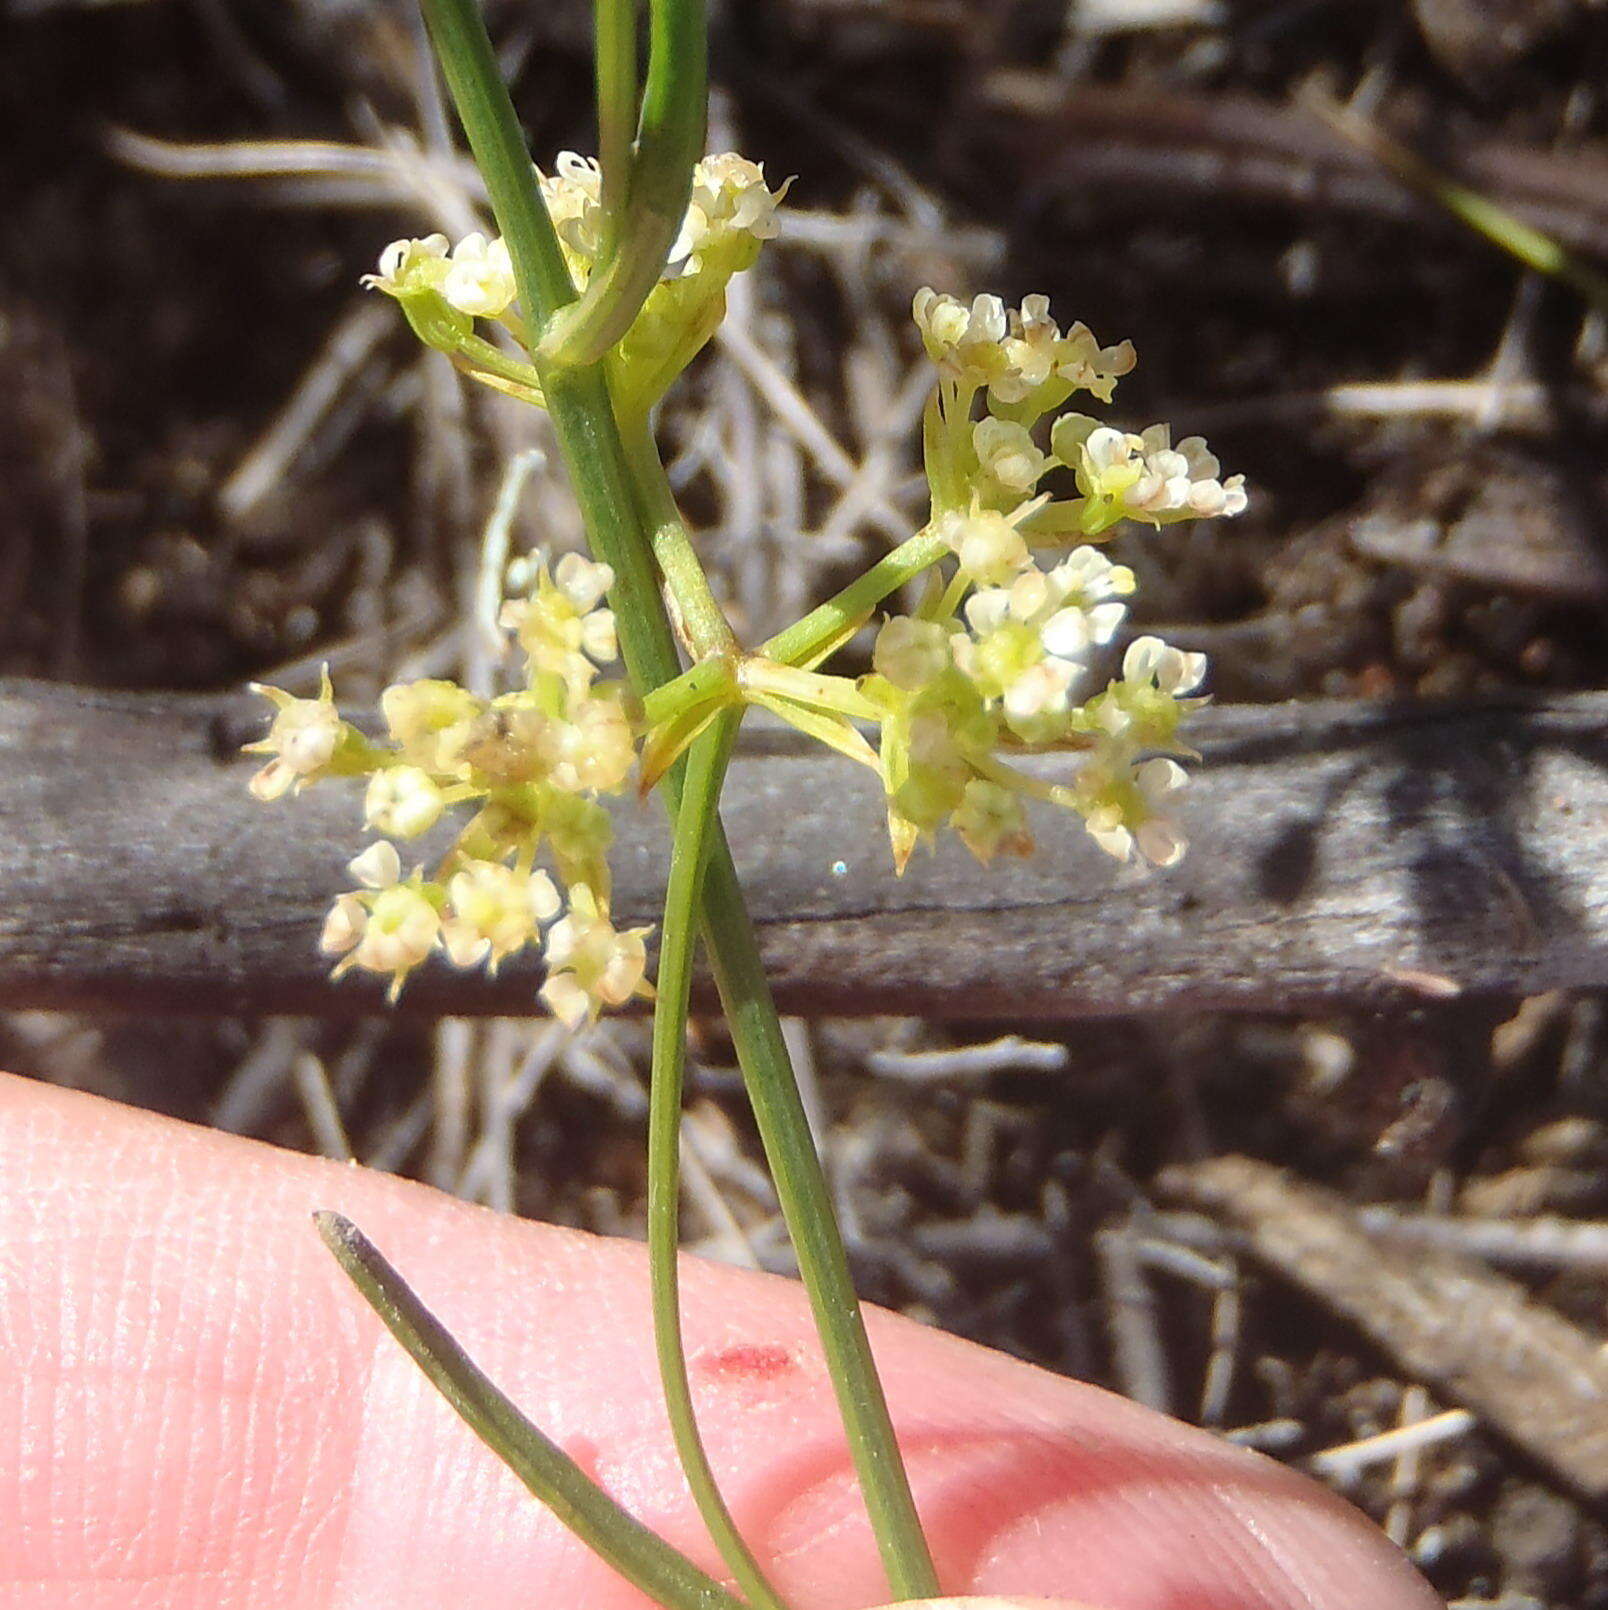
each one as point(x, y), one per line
point(221, 460)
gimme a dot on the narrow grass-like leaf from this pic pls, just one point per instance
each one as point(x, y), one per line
point(639, 1555)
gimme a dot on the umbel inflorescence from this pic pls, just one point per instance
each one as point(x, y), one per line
point(1011, 649)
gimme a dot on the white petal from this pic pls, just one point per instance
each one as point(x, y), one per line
point(544, 900)
point(566, 1000)
point(464, 946)
point(1104, 619)
point(1069, 633)
point(1143, 658)
point(1159, 778)
point(1160, 842)
point(1113, 838)
point(987, 609)
point(378, 867)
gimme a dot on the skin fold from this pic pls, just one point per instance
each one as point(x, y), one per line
point(198, 1413)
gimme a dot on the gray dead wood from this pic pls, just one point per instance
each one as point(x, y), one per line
point(1472, 1336)
point(1343, 854)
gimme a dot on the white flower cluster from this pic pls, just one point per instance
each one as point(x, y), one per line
point(443, 288)
point(1008, 654)
point(1144, 477)
point(731, 204)
point(533, 763)
point(732, 209)
point(573, 194)
point(475, 277)
point(1030, 642)
point(1016, 352)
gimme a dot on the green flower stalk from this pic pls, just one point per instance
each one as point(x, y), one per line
point(610, 278)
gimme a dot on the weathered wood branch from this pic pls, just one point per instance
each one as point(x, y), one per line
point(1342, 854)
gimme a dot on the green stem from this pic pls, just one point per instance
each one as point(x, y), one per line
point(615, 52)
point(806, 1203)
point(617, 518)
point(694, 832)
point(1530, 246)
point(480, 353)
point(828, 626)
point(470, 67)
point(577, 399)
point(640, 1556)
point(670, 140)
point(708, 681)
point(703, 622)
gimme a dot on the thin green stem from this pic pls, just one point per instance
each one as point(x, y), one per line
point(828, 626)
point(694, 833)
point(470, 68)
point(482, 355)
point(670, 140)
point(617, 515)
point(640, 1556)
point(703, 622)
point(806, 1203)
point(708, 681)
point(577, 400)
point(614, 47)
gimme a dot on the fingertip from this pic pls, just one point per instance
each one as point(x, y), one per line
point(1028, 1481)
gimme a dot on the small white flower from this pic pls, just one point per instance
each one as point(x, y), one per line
point(1176, 483)
point(573, 195)
point(1032, 639)
point(991, 550)
point(480, 278)
point(593, 750)
point(1041, 690)
point(591, 964)
point(302, 740)
point(403, 801)
point(1149, 659)
point(1007, 453)
point(407, 267)
point(1159, 841)
point(1108, 452)
point(964, 342)
point(1029, 350)
point(431, 721)
point(558, 627)
point(388, 928)
point(582, 580)
point(729, 198)
point(1083, 362)
point(910, 653)
point(1123, 807)
point(496, 910)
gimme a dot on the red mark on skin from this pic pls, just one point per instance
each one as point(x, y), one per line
point(747, 1361)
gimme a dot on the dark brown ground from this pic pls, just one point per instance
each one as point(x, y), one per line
point(1400, 542)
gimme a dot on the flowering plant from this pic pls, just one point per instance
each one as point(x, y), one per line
point(608, 278)
point(1000, 656)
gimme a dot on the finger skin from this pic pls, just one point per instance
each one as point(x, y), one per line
point(198, 1413)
